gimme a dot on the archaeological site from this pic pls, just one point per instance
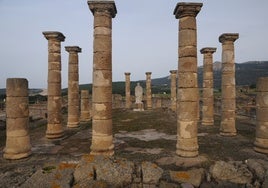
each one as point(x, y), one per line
point(189, 136)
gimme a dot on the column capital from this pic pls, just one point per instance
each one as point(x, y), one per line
point(208, 50)
point(74, 49)
point(228, 37)
point(148, 73)
point(54, 35)
point(102, 6)
point(127, 73)
point(173, 71)
point(187, 9)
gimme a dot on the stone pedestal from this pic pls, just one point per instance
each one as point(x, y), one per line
point(208, 96)
point(173, 88)
point(127, 90)
point(85, 107)
point(261, 140)
point(73, 87)
point(17, 119)
point(227, 127)
point(148, 91)
point(102, 138)
point(138, 98)
point(54, 100)
point(188, 95)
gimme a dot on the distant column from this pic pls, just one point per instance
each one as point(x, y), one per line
point(127, 90)
point(208, 96)
point(173, 88)
point(102, 138)
point(261, 140)
point(188, 95)
point(17, 125)
point(227, 127)
point(85, 108)
point(148, 90)
point(73, 87)
point(54, 100)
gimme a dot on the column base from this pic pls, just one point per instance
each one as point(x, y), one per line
point(73, 124)
point(261, 145)
point(186, 154)
point(17, 155)
point(208, 123)
point(228, 134)
point(138, 107)
point(54, 131)
point(187, 147)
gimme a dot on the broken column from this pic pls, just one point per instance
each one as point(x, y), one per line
point(188, 95)
point(17, 119)
point(73, 87)
point(54, 100)
point(127, 90)
point(173, 88)
point(261, 140)
point(85, 108)
point(227, 127)
point(208, 96)
point(148, 90)
point(102, 138)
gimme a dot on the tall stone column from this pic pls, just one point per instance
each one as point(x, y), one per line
point(102, 138)
point(127, 90)
point(188, 95)
point(54, 100)
point(17, 119)
point(73, 86)
point(208, 96)
point(227, 127)
point(261, 140)
point(148, 90)
point(173, 88)
point(85, 108)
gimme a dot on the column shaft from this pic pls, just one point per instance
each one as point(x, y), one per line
point(54, 100)
point(73, 87)
point(127, 90)
point(102, 138)
point(261, 140)
point(208, 96)
point(188, 95)
point(17, 125)
point(85, 108)
point(227, 127)
point(148, 90)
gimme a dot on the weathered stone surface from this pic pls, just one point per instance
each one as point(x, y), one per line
point(223, 171)
point(127, 90)
point(114, 172)
point(151, 173)
point(194, 176)
point(257, 168)
point(148, 90)
point(173, 89)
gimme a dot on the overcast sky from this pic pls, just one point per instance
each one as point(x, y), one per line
point(145, 36)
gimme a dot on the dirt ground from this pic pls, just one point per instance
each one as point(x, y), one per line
point(138, 136)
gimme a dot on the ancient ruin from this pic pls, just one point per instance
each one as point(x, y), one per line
point(148, 91)
point(17, 113)
point(54, 100)
point(102, 138)
point(138, 98)
point(85, 107)
point(261, 140)
point(228, 90)
point(73, 86)
point(127, 90)
point(173, 89)
point(208, 96)
point(188, 94)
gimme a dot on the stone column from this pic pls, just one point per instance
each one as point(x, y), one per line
point(173, 88)
point(102, 138)
point(73, 87)
point(208, 96)
point(188, 95)
point(261, 140)
point(148, 90)
point(54, 101)
point(17, 119)
point(227, 127)
point(85, 108)
point(127, 90)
